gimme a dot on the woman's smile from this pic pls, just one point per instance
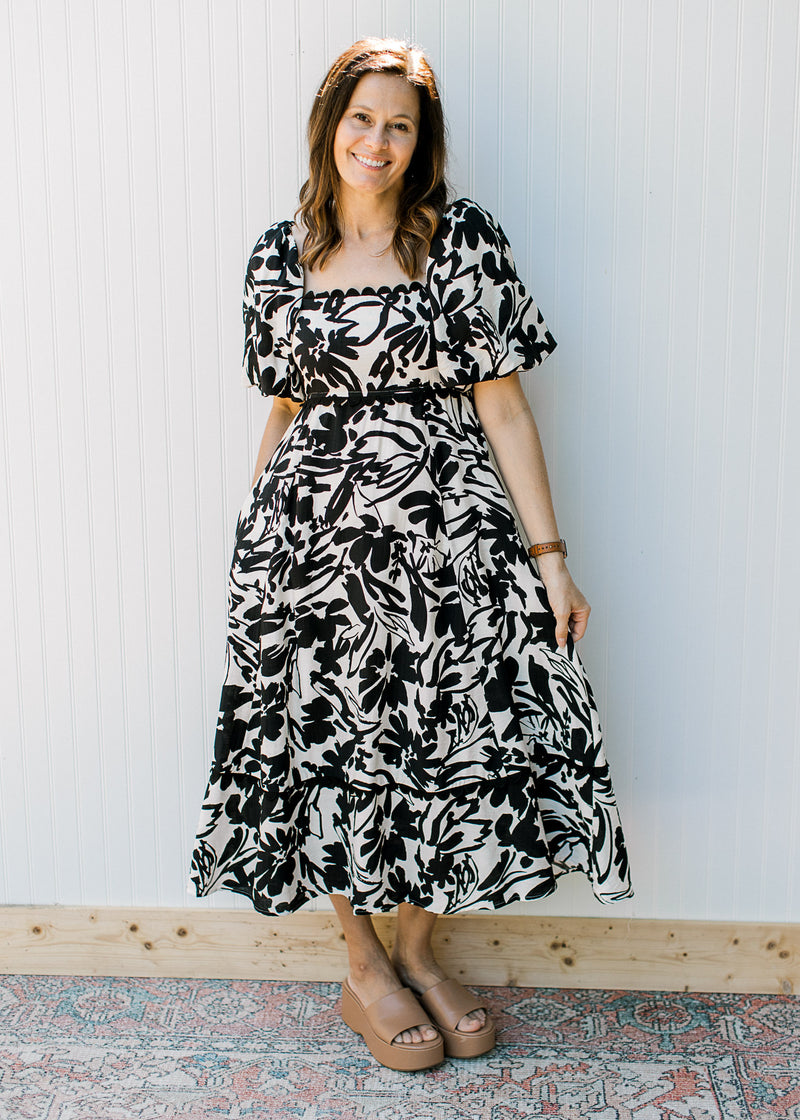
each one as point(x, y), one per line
point(383, 114)
point(373, 164)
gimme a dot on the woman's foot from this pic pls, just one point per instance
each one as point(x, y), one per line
point(374, 981)
point(423, 973)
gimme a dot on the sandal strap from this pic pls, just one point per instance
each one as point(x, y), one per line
point(399, 1011)
point(448, 1001)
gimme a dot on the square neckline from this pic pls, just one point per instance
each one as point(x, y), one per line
point(369, 290)
point(381, 290)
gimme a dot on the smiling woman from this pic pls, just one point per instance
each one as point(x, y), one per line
point(373, 147)
point(377, 135)
point(405, 720)
point(379, 102)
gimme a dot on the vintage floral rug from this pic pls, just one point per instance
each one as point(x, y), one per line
point(112, 1048)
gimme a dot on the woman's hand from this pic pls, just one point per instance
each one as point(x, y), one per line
point(567, 603)
point(511, 431)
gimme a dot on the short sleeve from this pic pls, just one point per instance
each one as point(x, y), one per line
point(273, 284)
point(485, 322)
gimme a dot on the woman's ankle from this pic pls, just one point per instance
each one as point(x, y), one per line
point(412, 956)
point(368, 962)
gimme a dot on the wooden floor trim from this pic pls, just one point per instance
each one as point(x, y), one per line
point(479, 947)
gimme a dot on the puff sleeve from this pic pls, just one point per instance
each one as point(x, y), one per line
point(485, 323)
point(273, 284)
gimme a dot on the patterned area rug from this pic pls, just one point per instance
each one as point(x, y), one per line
point(111, 1048)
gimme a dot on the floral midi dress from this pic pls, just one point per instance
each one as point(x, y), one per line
point(397, 722)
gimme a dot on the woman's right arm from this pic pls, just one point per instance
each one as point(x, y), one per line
point(283, 411)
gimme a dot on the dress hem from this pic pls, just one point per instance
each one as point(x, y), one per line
point(549, 889)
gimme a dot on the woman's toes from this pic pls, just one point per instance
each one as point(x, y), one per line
point(425, 1033)
point(472, 1021)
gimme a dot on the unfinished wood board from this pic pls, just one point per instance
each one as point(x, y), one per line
point(481, 948)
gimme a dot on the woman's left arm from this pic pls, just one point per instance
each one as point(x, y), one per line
point(510, 428)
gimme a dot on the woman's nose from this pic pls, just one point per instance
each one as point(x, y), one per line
point(376, 137)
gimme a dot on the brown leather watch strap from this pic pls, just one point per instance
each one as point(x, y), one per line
point(549, 546)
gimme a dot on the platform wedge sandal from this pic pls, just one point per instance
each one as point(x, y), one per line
point(446, 1002)
point(386, 1017)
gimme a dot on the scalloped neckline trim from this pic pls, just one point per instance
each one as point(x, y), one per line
point(297, 268)
point(369, 290)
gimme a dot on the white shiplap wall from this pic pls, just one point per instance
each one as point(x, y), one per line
point(643, 160)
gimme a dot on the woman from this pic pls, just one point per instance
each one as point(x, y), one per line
point(404, 720)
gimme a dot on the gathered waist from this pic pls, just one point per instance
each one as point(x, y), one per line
point(389, 392)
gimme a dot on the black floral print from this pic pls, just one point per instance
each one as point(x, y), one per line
point(397, 722)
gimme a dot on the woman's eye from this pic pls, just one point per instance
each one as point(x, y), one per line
point(364, 117)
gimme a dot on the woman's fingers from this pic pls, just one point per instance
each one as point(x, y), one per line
point(569, 606)
point(572, 620)
point(562, 627)
point(580, 619)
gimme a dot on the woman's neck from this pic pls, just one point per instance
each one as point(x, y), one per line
point(363, 218)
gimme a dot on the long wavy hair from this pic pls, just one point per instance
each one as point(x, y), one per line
point(425, 191)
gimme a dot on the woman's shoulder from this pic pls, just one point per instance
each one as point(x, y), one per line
point(463, 218)
point(466, 217)
point(466, 228)
point(469, 245)
point(470, 233)
point(274, 258)
point(276, 240)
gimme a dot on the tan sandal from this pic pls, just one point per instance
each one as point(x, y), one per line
point(386, 1017)
point(446, 1002)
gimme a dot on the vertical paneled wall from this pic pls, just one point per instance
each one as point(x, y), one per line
point(643, 159)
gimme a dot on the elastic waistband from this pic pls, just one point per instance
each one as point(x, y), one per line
point(391, 392)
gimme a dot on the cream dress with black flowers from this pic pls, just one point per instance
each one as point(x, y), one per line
point(397, 722)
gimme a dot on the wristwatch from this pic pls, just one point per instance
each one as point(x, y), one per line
point(549, 546)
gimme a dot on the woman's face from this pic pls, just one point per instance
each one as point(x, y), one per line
point(377, 135)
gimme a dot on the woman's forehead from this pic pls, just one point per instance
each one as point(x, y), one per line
point(378, 89)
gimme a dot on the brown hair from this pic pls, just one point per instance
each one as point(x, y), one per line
point(425, 193)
